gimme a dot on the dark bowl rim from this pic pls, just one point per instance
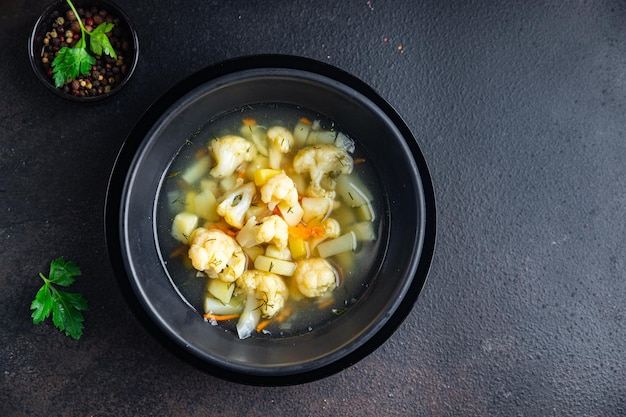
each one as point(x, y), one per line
point(133, 143)
point(32, 48)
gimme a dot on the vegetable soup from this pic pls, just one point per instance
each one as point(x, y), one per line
point(269, 221)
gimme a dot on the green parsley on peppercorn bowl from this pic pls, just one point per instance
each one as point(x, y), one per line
point(84, 50)
point(271, 219)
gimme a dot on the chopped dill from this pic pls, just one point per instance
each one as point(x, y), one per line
point(338, 311)
point(179, 200)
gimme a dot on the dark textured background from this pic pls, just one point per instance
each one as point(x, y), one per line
point(520, 109)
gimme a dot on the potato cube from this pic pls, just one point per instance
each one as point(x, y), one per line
point(184, 223)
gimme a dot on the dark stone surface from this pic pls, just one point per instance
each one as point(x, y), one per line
point(520, 109)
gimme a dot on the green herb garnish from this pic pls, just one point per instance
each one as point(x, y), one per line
point(75, 60)
point(338, 311)
point(65, 306)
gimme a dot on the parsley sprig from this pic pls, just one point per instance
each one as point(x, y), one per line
point(75, 60)
point(65, 306)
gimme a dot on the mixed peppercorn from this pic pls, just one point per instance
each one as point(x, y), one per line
point(107, 72)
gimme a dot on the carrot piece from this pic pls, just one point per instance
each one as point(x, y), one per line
point(325, 303)
point(178, 251)
point(298, 230)
point(306, 121)
point(306, 232)
point(359, 160)
point(218, 317)
point(262, 325)
point(317, 231)
point(201, 152)
point(225, 229)
point(249, 122)
point(286, 312)
point(183, 184)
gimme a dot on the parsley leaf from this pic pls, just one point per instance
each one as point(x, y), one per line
point(42, 304)
point(69, 63)
point(63, 273)
point(65, 307)
point(99, 41)
point(77, 60)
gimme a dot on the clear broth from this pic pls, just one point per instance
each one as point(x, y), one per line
point(306, 313)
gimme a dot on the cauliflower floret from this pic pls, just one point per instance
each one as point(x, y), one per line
point(279, 188)
point(332, 228)
point(319, 160)
point(234, 204)
point(269, 289)
point(230, 152)
point(274, 229)
point(216, 254)
point(269, 229)
point(315, 277)
point(281, 141)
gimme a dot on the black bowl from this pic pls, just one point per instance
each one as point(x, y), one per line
point(44, 24)
point(407, 240)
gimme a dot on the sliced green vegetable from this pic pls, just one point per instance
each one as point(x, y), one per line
point(344, 243)
point(275, 265)
point(214, 306)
